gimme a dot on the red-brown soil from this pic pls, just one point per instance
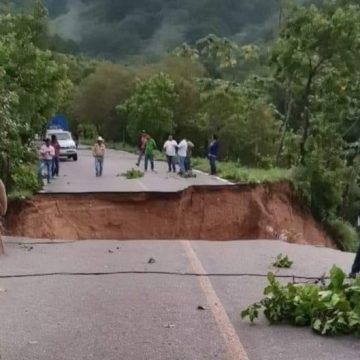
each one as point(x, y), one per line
point(266, 211)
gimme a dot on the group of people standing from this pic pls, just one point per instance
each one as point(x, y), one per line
point(50, 158)
point(176, 153)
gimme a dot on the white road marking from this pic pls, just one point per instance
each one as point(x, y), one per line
point(224, 180)
point(143, 187)
point(235, 349)
point(216, 177)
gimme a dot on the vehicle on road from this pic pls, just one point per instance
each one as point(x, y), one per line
point(67, 144)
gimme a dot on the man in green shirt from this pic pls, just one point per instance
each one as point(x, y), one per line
point(150, 147)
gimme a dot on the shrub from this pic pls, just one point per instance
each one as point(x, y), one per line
point(24, 179)
point(344, 234)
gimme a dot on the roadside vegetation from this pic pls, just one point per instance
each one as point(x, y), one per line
point(329, 309)
point(286, 109)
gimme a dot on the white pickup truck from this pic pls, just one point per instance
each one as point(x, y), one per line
point(67, 144)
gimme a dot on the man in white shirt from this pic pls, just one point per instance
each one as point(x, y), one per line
point(170, 151)
point(182, 152)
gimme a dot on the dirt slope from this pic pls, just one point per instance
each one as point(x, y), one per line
point(202, 213)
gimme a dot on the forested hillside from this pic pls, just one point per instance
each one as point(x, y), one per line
point(149, 28)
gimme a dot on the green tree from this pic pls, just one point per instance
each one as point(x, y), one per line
point(152, 107)
point(95, 99)
point(32, 87)
point(312, 41)
point(246, 123)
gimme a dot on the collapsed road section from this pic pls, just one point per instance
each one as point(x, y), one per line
point(266, 211)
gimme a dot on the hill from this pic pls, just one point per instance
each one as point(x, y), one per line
point(121, 29)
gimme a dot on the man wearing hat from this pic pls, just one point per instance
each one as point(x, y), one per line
point(99, 153)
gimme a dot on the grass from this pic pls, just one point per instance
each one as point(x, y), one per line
point(20, 195)
point(234, 172)
point(344, 234)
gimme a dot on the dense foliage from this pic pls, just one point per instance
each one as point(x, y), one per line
point(32, 85)
point(331, 309)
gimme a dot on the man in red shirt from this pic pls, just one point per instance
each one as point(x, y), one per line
point(141, 146)
point(56, 159)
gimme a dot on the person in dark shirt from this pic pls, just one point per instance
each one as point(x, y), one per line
point(143, 137)
point(76, 139)
point(56, 159)
point(213, 154)
point(356, 266)
point(3, 208)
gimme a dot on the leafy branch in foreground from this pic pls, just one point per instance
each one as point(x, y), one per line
point(282, 262)
point(331, 309)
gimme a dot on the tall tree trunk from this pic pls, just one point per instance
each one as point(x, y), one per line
point(285, 128)
point(350, 187)
point(281, 12)
point(306, 114)
point(3, 208)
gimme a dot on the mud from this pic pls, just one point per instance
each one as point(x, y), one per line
point(198, 213)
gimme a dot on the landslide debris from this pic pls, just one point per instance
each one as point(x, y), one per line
point(266, 211)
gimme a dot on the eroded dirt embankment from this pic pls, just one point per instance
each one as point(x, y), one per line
point(201, 213)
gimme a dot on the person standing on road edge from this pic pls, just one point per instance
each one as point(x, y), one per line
point(182, 152)
point(356, 266)
point(141, 146)
point(56, 159)
point(47, 153)
point(3, 209)
point(150, 147)
point(99, 154)
point(76, 139)
point(213, 153)
point(170, 147)
point(190, 147)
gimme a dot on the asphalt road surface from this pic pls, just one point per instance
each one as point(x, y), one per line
point(135, 300)
point(133, 314)
point(79, 176)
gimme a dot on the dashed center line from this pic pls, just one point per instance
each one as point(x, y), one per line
point(235, 349)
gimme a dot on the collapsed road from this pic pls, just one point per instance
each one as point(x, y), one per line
point(79, 206)
point(197, 213)
point(101, 298)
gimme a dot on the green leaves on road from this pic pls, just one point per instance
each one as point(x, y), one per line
point(282, 262)
point(331, 309)
point(133, 174)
